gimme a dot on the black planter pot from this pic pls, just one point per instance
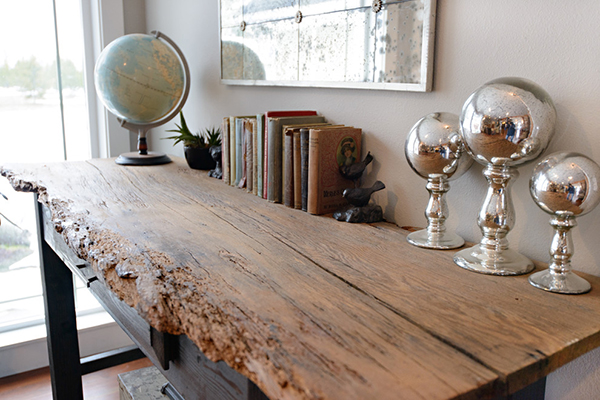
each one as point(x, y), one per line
point(199, 158)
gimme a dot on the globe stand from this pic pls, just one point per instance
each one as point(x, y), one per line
point(142, 156)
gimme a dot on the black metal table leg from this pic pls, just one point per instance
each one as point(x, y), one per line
point(61, 327)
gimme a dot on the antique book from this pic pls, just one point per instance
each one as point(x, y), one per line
point(232, 169)
point(287, 165)
point(275, 149)
point(240, 150)
point(275, 114)
point(304, 132)
point(297, 167)
point(233, 149)
point(304, 167)
point(260, 143)
point(328, 149)
point(254, 151)
point(249, 133)
point(225, 149)
point(240, 166)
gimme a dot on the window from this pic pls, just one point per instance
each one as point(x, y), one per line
point(43, 118)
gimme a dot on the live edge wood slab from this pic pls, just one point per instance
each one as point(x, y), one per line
point(305, 306)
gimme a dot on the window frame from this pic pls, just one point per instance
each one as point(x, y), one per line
point(103, 22)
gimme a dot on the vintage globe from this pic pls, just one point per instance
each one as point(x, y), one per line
point(139, 78)
point(144, 80)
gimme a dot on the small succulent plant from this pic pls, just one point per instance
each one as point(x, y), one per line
point(210, 137)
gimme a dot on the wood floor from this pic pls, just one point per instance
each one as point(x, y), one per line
point(35, 385)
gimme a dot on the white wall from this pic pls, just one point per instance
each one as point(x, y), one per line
point(551, 42)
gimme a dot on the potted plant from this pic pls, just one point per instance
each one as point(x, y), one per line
point(196, 146)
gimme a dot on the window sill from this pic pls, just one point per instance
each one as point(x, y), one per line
point(26, 349)
point(24, 335)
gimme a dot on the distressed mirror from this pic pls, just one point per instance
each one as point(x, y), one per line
point(371, 44)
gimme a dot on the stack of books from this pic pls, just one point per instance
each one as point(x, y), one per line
point(290, 157)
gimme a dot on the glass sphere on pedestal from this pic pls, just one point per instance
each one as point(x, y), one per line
point(505, 123)
point(565, 185)
point(434, 150)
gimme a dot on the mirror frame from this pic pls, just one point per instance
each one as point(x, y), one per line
point(427, 52)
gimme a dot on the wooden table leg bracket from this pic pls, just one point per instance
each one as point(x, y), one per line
point(165, 346)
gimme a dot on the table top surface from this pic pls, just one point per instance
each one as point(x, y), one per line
point(306, 306)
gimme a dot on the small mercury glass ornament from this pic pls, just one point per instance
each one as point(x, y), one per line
point(564, 185)
point(434, 150)
point(505, 123)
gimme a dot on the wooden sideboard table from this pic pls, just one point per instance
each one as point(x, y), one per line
point(209, 280)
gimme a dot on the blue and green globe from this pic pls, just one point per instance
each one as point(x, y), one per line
point(139, 78)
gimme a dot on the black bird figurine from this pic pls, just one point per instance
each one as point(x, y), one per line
point(215, 153)
point(360, 197)
point(355, 171)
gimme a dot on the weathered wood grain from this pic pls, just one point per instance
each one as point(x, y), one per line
point(191, 372)
point(305, 306)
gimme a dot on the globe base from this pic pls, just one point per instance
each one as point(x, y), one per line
point(135, 158)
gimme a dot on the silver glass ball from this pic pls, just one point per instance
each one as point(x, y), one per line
point(507, 121)
point(433, 147)
point(566, 183)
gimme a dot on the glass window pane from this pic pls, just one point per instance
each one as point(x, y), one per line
point(70, 44)
point(31, 130)
point(20, 281)
point(30, 119)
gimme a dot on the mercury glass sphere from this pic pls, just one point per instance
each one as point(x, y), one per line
point(566, 183)
point(507, 121)
point(566, 186)
point(434, 150)
point(433, 147)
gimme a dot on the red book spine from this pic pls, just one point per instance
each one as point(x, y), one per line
point(302, 113)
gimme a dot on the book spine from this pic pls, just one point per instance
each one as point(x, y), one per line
point(248, 134)
point(283, 164)
point(304, 167)
point(289, 113)
point(260, 142)
point(297, 170)
point(266, 160)
point(274, 161)
point(225, 149)
point(288, 192)
point(314, 173)
point(232, 146)
point(239, 151)
point(254, 152)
